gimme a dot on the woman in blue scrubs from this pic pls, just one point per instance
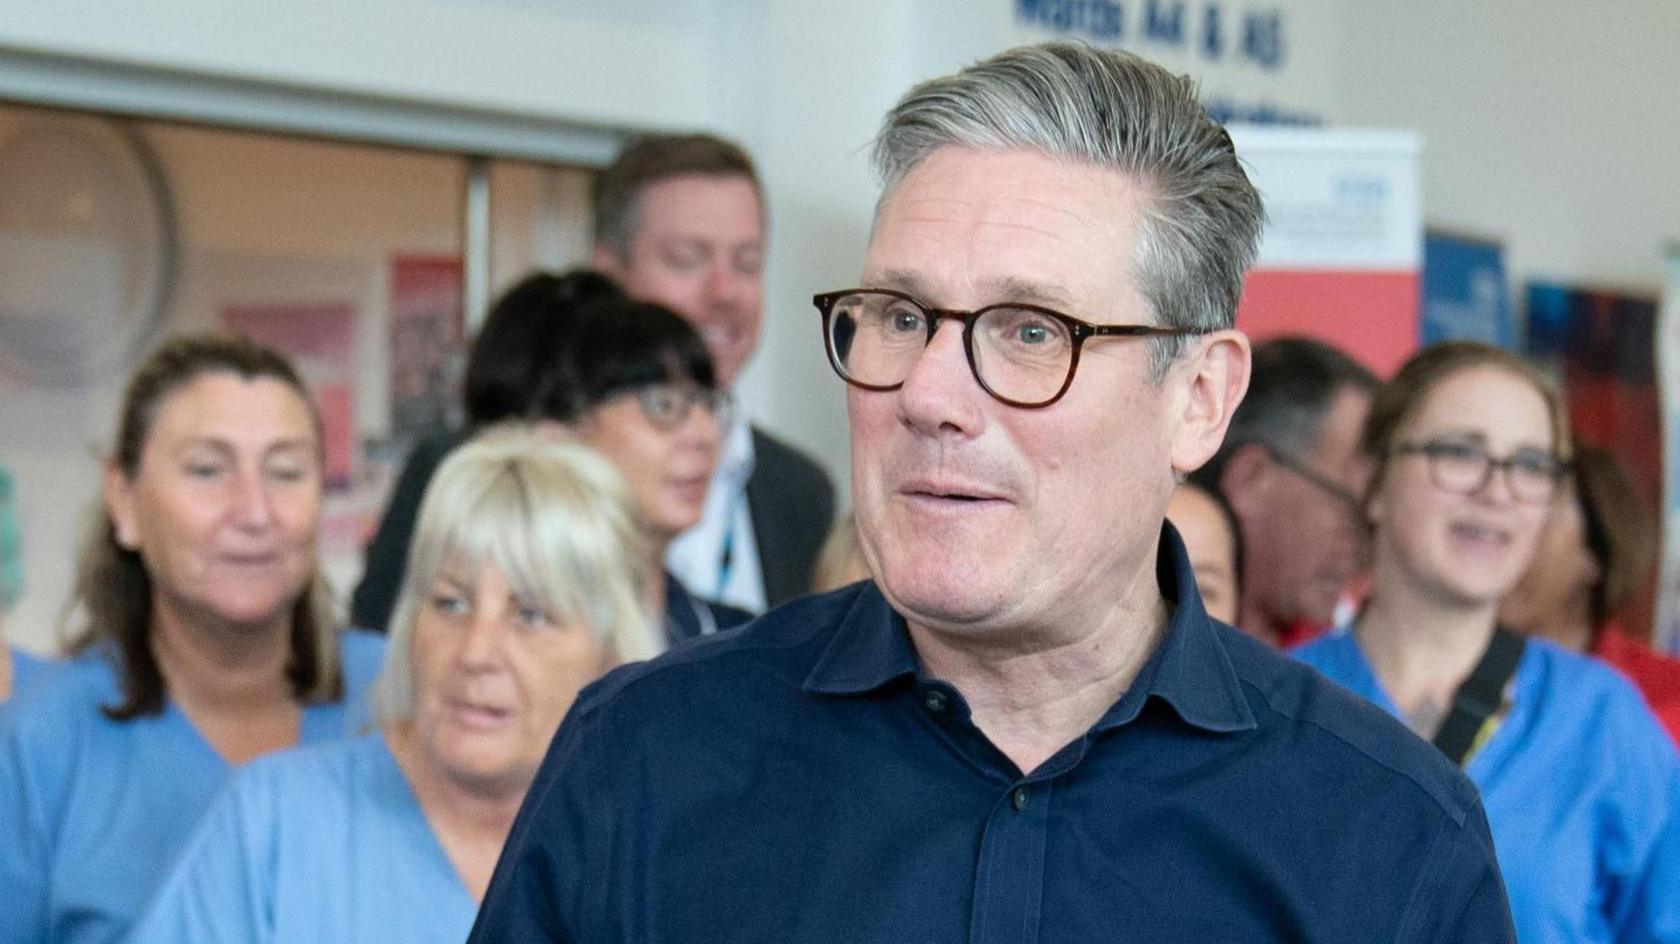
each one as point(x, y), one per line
point(206, 640)
point(17, 669)
point(1580, 784)
point(525, 583)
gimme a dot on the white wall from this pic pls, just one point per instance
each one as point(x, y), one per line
point(625, 62)
point(1553, 126)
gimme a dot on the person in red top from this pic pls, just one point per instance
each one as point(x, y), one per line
point(1592, 558)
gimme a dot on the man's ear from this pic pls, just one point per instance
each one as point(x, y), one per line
point(120, 504)
point(1213, 379)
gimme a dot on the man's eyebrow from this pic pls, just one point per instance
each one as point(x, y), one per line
point(1013, 289)
point(1000, 290)
point(899, 280)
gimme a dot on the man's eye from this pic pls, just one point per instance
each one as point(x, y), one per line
point(1032, 333)
point(749, 262)
point(685, 258)
point(204, 470)
point(906, 320)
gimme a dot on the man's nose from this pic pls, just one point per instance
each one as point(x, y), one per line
point(941, 391)
point(724, 281)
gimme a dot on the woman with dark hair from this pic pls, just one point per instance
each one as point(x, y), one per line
point(207, 640)
point(635, 382)
point(501, 368)
point(1594, 555)
point(1580, 785)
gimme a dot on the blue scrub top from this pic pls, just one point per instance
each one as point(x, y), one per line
point(25, 668)
point(1582, 790)
point(95, 809)
point(325, 843)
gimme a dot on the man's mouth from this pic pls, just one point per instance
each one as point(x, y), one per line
point(934, 490)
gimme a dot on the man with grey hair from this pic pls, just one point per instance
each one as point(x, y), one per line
point(1025, 727)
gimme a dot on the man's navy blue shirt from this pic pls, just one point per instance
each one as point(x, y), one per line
point(801, 779)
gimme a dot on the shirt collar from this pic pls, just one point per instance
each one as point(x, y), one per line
point(1189, 670)
point(735, 462)
point(870, 648)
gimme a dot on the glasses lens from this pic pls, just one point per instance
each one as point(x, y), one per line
point(875, 338)
point(1457, 467)
point(1022, 354)
point(1534, 475)
point(664, 405)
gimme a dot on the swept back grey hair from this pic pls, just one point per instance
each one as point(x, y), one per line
point(555, 518)
point(1199, 229)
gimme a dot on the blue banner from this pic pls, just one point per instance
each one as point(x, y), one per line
point(1465, 296)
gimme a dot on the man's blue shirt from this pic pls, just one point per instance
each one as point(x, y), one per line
point(801, 779)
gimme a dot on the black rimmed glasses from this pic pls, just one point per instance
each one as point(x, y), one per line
point(1465, 468)
point(667, 405)
point(1023, 355)
point(1343, 495)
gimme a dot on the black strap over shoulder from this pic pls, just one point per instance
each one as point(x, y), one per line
point(1480, 696)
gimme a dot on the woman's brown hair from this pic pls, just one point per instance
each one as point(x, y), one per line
point(1616, 525)
point(113, 592)
point(1400, 399)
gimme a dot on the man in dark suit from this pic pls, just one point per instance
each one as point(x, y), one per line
point(679, 220)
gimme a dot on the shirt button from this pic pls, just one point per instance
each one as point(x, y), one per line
point(934, 700)
point(1020, 798)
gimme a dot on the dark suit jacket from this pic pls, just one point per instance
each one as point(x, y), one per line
point(789, 497)
point(387, 554)
point(791, 501)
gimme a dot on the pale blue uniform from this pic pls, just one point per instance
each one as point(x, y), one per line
point(324, 843)
point(25, 668)
point(1582, 790)
point(93, 810)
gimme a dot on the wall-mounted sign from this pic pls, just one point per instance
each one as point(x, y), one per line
point(1343, 242)
point(1464, 292)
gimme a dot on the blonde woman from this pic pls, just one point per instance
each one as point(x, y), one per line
point(524, 584)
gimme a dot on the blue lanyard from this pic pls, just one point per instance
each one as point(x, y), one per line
point(726, 559)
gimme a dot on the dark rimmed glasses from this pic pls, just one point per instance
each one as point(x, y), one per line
point(1023, 355)
point(1463, 468)
point(1344, 496)
point(667, 405)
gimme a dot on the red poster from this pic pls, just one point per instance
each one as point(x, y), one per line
point(426, 345)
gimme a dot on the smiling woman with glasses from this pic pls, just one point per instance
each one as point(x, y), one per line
point(635, 382)
point(1470, 446)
